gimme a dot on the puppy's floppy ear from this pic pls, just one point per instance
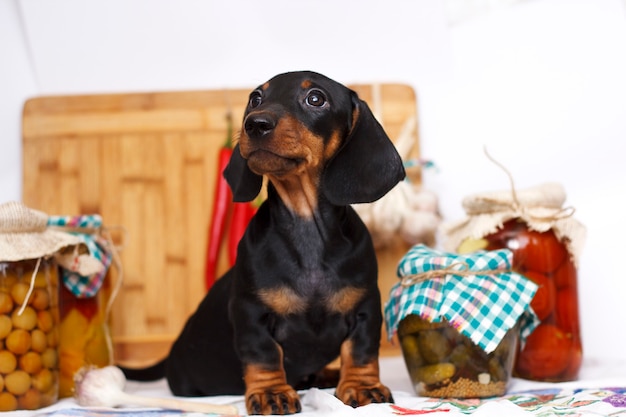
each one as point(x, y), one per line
point(244, 183)
point(366, 166)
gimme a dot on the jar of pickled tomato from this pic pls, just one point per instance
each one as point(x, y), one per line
point(546, 242)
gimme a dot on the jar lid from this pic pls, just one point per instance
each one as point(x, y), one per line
point(477, 294)
point(549, 196)
point(83, 275)
point(540, 207)
point(24, 234)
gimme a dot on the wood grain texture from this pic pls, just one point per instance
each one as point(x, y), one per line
point(146, 163)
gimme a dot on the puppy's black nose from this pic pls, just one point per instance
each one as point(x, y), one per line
point(259, 125)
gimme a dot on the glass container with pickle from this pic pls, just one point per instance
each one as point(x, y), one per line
point(443, 312)
point(444, 363)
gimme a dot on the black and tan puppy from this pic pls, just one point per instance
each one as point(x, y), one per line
point(304, 288)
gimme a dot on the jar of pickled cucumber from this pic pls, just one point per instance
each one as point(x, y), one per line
point(443, 312)
point(28, 308)
point(546, 241)
point(444, 363)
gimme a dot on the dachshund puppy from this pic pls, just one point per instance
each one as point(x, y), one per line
point(303, 290)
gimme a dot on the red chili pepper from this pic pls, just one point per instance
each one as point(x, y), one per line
point(242, 214)
point(221, 202)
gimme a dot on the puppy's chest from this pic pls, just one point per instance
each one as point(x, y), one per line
point(311, 293)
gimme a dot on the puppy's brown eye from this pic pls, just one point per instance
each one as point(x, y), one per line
point(315, 98)
point(255, 100)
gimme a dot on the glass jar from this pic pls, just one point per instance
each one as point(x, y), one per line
point(444, 363)
point(84, 336)
point(546, 242)
point(28, 334)
point(553, 352)
point(83, 309)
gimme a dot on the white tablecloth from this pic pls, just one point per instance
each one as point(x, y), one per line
point(600, 391)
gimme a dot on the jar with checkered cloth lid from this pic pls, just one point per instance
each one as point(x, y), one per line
point(546, 242)
point(459, 319)
point(84, 297)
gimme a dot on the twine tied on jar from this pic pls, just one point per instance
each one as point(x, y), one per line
point(85, 282)
point(553, 206)
point(479, 295)
point(453, 269)
point(24, 235)
point(540, 207)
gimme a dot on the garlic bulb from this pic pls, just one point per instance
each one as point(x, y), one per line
point(104, 387)
point(407, 211)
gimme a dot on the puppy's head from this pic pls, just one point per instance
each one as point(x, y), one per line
point(305, 123)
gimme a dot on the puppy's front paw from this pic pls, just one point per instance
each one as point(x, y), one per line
point(356, 394)
point(280, 400)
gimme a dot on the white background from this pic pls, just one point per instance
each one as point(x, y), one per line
point(540, 83)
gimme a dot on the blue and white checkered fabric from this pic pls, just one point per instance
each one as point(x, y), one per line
point(482, 301)
point(79, 285)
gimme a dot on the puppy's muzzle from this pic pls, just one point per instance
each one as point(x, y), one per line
point(259, 125)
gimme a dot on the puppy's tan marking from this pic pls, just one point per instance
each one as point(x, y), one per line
point(356, 113)
point(344, 300)
point(332, 145)
point(306, 84)
point(283, 300)
point(359, 384)
point(298, 188)
point(267, 389)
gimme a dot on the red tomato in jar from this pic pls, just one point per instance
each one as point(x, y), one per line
point(546, 355)
point(566, 274)
point(537, 251)
point(507, 232)
point(567, 310)
point(541, 251)
point(505, 238)
point(544, 299)
point(576, 360)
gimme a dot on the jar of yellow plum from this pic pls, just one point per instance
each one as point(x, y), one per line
point(28, 308)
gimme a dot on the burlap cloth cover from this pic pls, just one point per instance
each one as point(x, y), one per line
point(540, 207)
point(24, 234)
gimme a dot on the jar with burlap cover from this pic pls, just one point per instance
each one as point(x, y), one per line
point(540, 207)
point(546, 241)
point(28, 307)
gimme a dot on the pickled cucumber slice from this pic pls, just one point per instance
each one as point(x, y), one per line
point(413, 324)
point(433, 374)
point(434, 346)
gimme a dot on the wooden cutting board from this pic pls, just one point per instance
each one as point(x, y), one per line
point(147, 164)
